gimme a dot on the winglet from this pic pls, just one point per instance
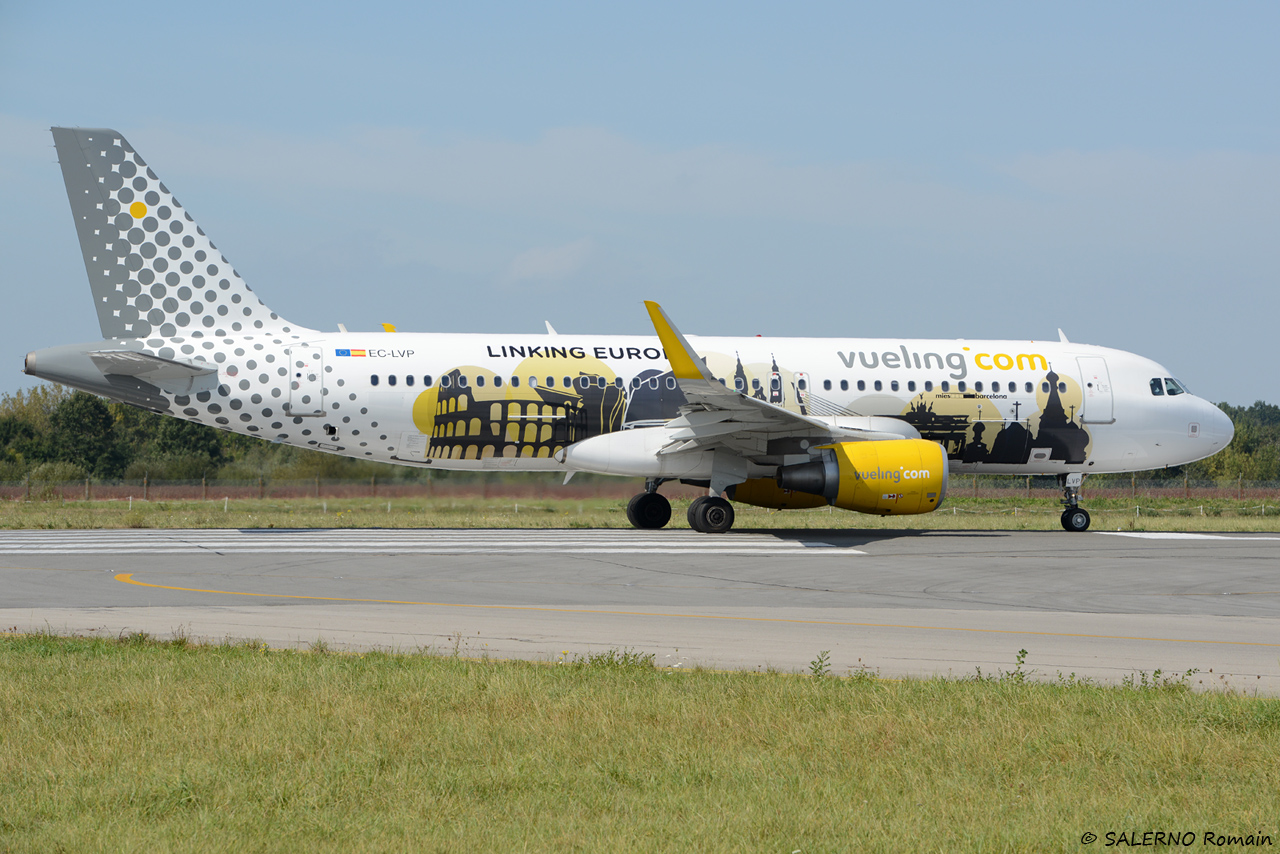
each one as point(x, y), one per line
point(686, 364)
point(1062, 337)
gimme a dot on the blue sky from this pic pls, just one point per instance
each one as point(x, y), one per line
point(821, 169)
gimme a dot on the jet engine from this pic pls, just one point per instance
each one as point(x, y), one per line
point(894, 477)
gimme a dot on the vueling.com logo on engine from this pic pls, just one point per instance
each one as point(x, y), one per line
point(896, 476)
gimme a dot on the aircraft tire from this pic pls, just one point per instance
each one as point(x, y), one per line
point(1075, 519)
point(695, 513)
point(649, 510)
point(716, 516)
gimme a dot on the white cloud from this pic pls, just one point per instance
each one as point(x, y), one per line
point(548, 264)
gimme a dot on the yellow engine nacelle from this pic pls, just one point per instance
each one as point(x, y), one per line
point(762, 492)
point(890, 478)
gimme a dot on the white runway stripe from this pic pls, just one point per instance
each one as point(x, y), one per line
point(1170, 535)
point(397, 542)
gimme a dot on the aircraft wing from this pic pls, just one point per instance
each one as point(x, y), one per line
point(717, 416)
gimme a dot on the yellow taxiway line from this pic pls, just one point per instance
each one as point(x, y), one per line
point(127, 578)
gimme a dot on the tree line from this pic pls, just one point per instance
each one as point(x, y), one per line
point(52, 434)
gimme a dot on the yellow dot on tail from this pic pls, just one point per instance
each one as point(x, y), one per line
point(137, 210)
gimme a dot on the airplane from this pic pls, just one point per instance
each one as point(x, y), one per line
point(875, 426)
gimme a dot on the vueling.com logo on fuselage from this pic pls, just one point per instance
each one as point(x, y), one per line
point(957, 363)
point(897, 476)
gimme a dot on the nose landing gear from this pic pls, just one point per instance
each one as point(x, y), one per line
point(1074, 517)
point(649, 509)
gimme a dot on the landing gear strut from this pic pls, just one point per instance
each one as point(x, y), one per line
point(710, 515)
point(1074, 517)
point(649, 509)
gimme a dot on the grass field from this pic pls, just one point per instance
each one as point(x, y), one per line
point(133, 745)
point(960, 512)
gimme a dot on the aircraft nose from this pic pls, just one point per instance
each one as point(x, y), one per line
point(1217, 426)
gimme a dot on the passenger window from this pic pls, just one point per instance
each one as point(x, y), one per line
point(911, 385)
point(977, 386)
point(802, 385)
point(551, 382)
point(497, 382)
point(1030, 388)
point(1044, 387)
point(445, 382)
point(373, 380)
point(479, 381)
point(844, 385)
point(533, 382)
point(391, 380)
point(755, 385)
point(1062, 388)
point(879, 385)
point(960, 385)
point(671, 382)
point(1157, 387)
point(426, 381)
point(617, 382)
point(893, 386)
point(582, 382)
point(462, 381)
point(775, 384)
point(995, 387)
point(946, 386)
point(1171, 385)
point(826, 385)
point(862, 385)
point(739, 384)
point(515, 382)
point(408, 380)
point(928, 385)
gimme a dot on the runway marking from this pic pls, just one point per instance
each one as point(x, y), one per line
point(443, 542)
point(127, 578)
point(1169, 535)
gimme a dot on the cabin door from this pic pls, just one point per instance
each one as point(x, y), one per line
point(306, 380)
point(1099, 406)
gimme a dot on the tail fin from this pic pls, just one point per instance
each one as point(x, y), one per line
point(152, 270)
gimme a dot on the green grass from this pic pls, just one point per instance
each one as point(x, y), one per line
point(134, 745)
point(959, 512)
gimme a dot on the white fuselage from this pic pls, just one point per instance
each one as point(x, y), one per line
point(480, 401)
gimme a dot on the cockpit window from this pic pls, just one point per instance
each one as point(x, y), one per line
point(1171, 385)
point(1157, 387)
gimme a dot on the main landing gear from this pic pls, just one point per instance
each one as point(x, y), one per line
point(710, 514)
point(1074, 517)
point(707, 514)
point(649, 509)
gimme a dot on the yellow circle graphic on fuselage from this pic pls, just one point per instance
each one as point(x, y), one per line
point(137, 210)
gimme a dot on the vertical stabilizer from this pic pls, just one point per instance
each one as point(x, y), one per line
point(152, 270)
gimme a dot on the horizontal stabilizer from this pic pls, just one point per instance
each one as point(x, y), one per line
point(129, 363)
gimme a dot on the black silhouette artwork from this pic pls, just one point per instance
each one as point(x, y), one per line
point(1013, 442)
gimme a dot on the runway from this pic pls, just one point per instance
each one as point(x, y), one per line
point(1101, 605)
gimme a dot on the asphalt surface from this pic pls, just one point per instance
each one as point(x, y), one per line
point(1099, 604)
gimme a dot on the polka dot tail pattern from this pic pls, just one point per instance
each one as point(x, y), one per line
point(152, 269)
